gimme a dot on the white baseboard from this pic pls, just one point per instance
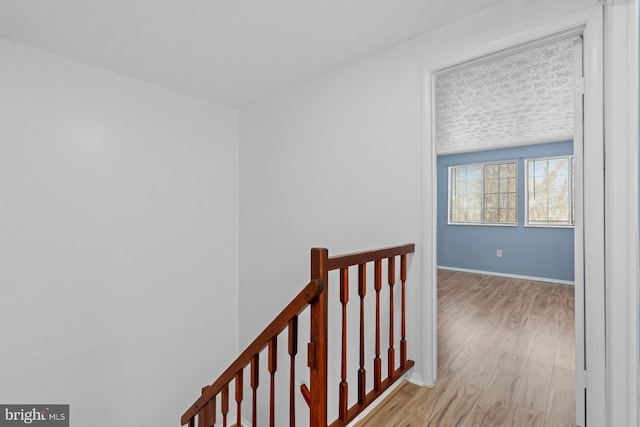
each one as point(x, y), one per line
point(416, 379)
point(514, 276)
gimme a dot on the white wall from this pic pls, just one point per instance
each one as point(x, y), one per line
point(337, 162)
point(118, 241)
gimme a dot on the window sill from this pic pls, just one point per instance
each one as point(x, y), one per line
point(548, 226)
point(476, 224)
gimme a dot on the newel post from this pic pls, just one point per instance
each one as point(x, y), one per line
point(318, 346)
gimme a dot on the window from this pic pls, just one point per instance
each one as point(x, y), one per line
point(550, 191)
point(483, 193)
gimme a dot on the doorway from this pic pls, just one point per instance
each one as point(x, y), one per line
point(588, 220)
point(504, 140)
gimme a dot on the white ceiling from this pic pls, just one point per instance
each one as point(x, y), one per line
point(519, 99)
point(228, 51)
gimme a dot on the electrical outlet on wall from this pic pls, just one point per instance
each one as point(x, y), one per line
point(499, 253)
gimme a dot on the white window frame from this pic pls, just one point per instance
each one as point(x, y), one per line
point(482, 220)
point(571, 198)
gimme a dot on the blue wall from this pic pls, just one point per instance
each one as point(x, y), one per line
point(528, 251)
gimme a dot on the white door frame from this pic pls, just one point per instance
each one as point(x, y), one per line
point(621, 346)
point(621, 210)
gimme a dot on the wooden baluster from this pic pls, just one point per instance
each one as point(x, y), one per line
point(317, 349)
point(392, 281)
point(239, 390)
point(273, 365)
point(403, 329)
point(212, 412)
point(224, 404)
point(293, 350)
point(377, 362)
point(202, 413)
point(207, 414)
point(306, 394)
point(192, 422)
point(255, 375)
point(362, 373)
point(344, 387)
point(201, 416)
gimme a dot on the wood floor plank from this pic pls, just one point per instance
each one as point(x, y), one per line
point(540, 303)
point(533, 390)
point(565, 355)
point(481, 370)
point(394, 407)
point(561, 409)
point(460, 360)
point(512, 363)
point(464, 325)
point(544, 350)
point(454, 405)
point(518, 343)
point(495, 403)
point(520, 416)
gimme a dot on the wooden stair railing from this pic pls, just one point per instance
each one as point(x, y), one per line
point(204, 409)
point(315, 295)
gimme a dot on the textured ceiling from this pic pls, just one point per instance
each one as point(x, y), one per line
point(228, 51)
point(515, 100)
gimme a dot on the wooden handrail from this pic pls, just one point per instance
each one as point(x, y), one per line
point(357, 258)
point(299, 303)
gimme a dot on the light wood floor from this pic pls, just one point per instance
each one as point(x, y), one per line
point(506, 358)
